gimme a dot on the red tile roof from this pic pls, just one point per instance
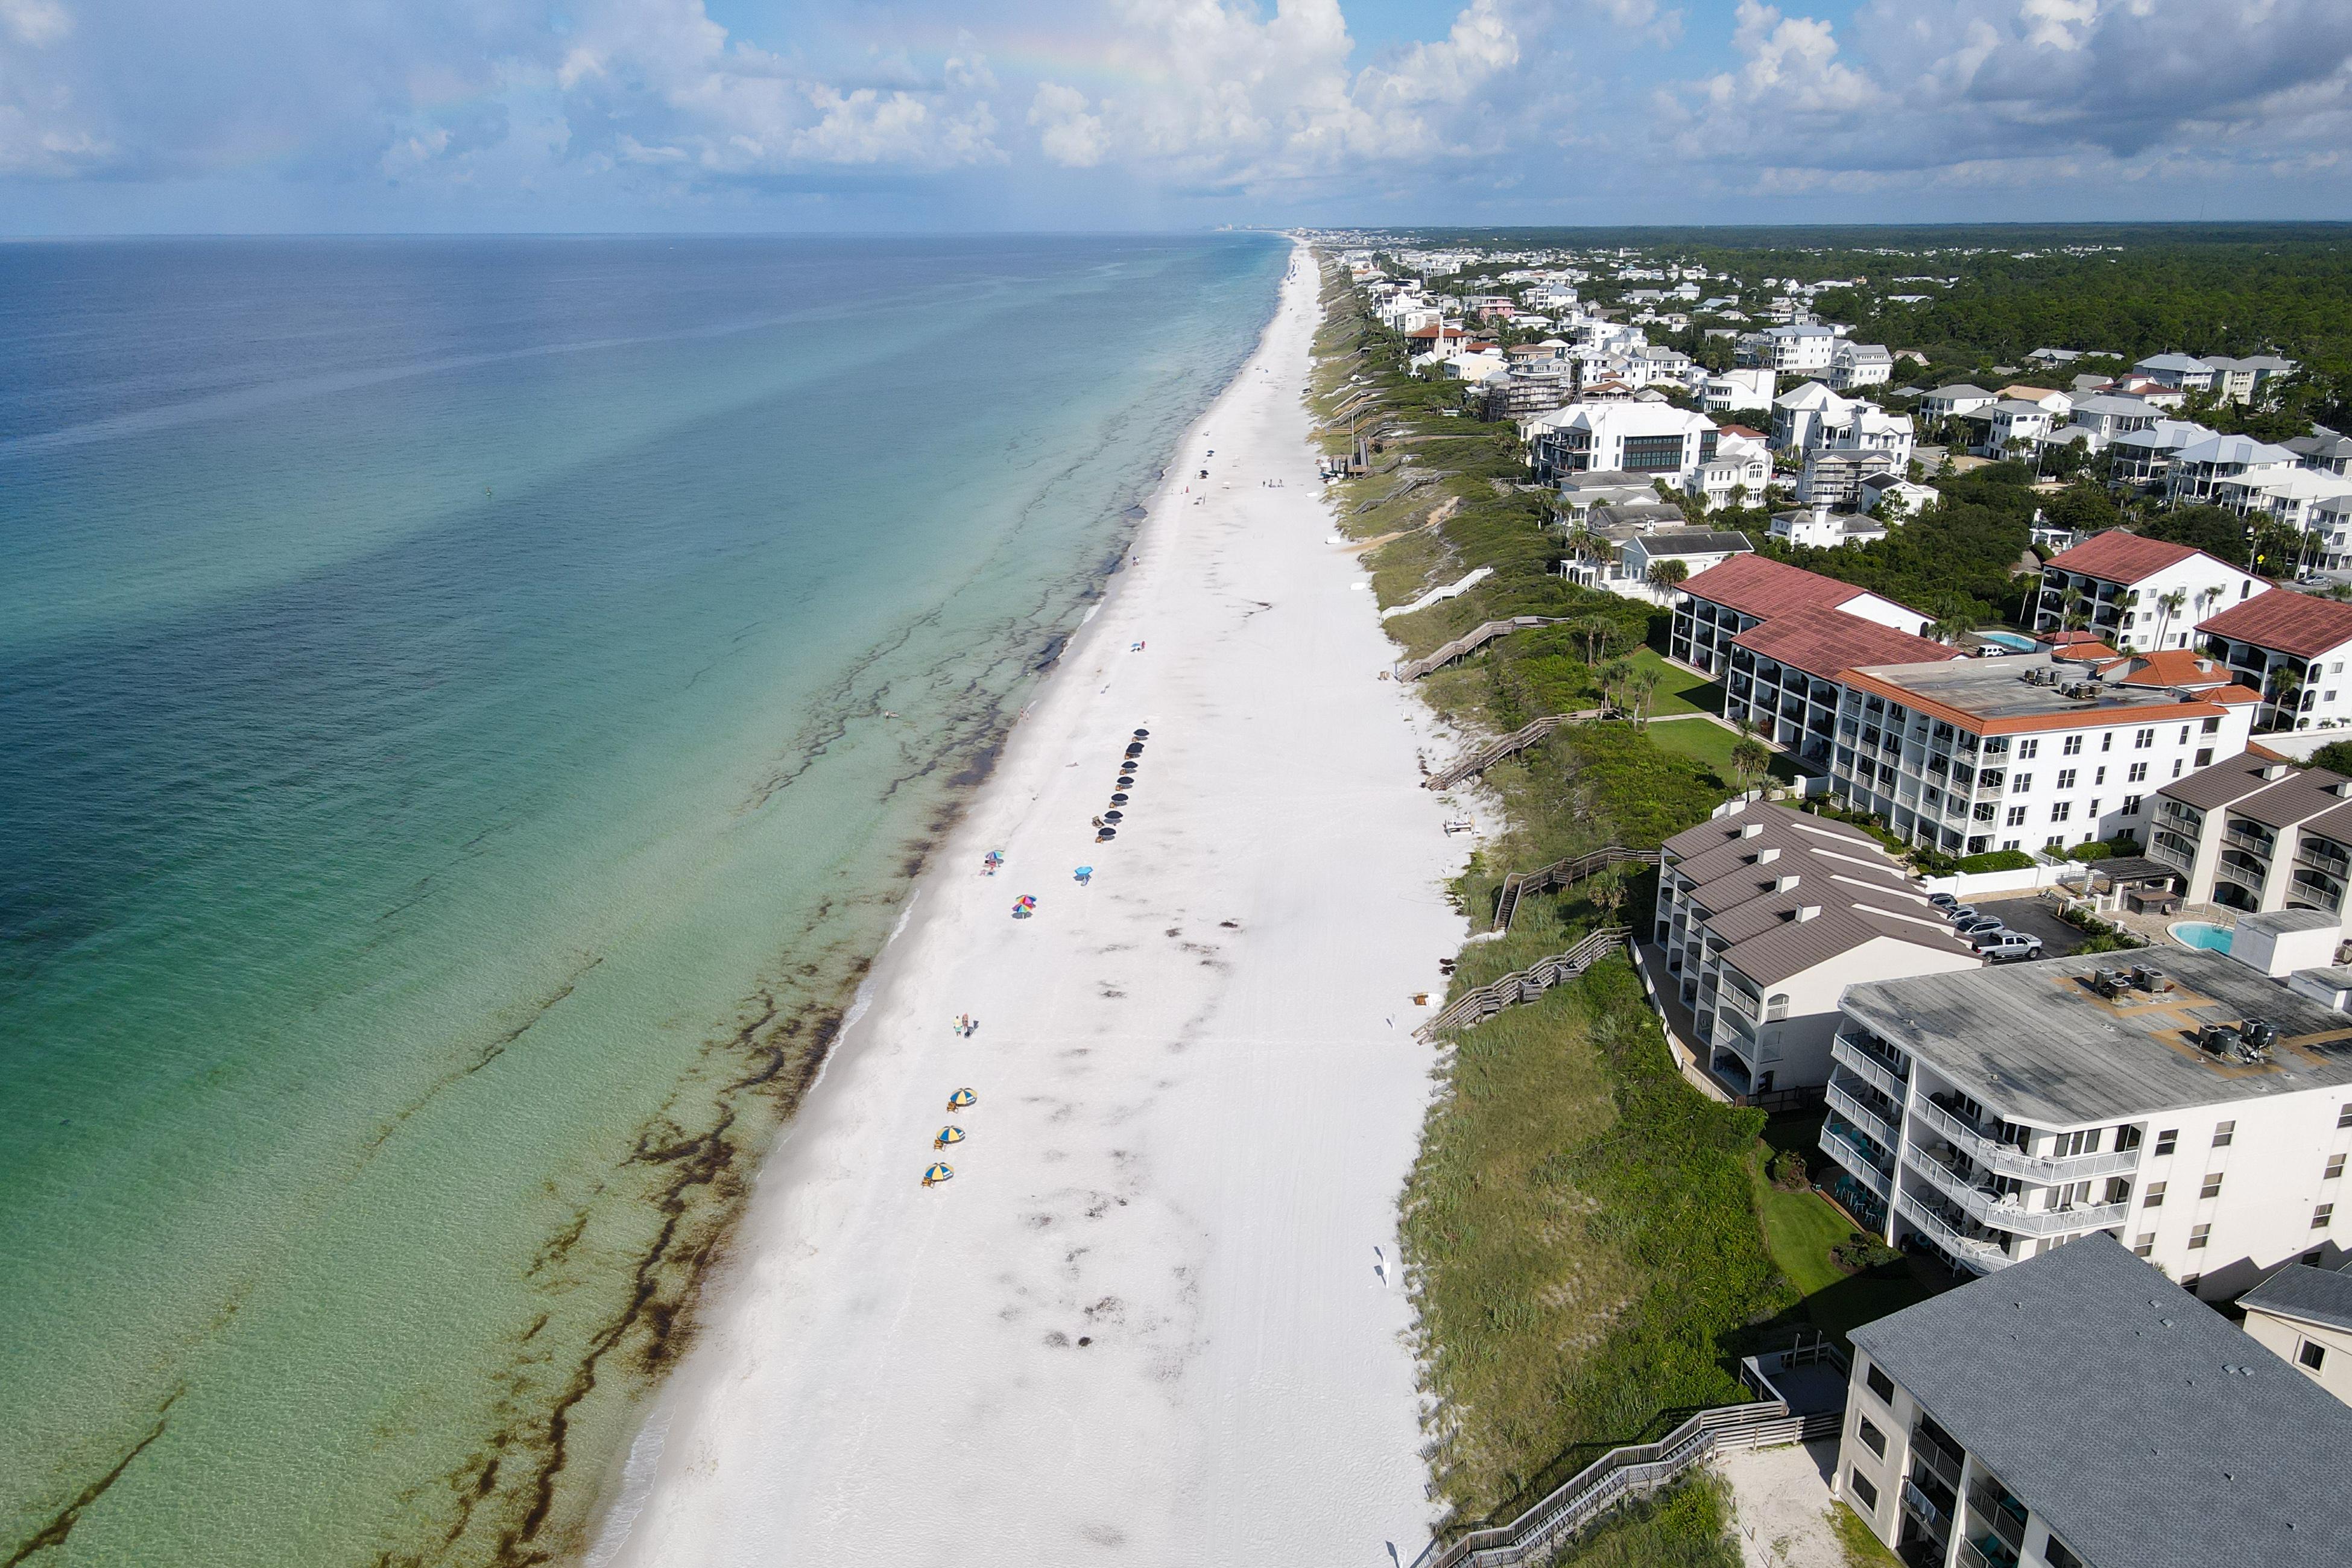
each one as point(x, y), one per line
point(2119, 556)
point(1825, 642)
point(2299, 624)
point(1760, 585)
point(2179, 667)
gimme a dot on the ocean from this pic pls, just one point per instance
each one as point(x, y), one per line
point(470, 711)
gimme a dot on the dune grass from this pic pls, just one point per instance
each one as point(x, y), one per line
point(1582, 1244)
point(1687, 1526)
point(1861, 1549)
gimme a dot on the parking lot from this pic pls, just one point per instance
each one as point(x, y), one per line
point(2031, 916)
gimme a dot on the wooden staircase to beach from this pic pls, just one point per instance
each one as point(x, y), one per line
point(1561, 874)
point(1510, 745)
point(1527, 985)
point(1471, 642)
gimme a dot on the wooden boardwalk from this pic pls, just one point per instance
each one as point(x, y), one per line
point(1527, 985)
point(1561, 874)
point(1510, 745)
point(1471, 642)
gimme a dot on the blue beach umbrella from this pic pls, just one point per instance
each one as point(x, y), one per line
point(938, 1173)
point(948, 1135)
point(961, 1099)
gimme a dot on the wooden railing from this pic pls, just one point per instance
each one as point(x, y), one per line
point(1471, 642)
point(1621, 1474)
point(1486, 756)
point(1527, 985)
point(1561, 874)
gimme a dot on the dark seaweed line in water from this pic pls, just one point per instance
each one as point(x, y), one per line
point(61, 1524)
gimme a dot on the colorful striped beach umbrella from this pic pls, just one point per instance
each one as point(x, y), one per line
point(961, 1099)
point(938, 1173)
point(948, 1135)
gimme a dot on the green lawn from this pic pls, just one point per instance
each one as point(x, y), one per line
point(1679, 690)
point(1799, 1228)
point(1709, 744)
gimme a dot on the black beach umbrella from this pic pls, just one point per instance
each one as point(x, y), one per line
point(1120, 799)
point(1114, 815)
point(1102, 834)
point(1143, 735)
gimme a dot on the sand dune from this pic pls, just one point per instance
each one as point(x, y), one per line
point(1148, 1319)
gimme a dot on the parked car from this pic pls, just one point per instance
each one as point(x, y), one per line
point(1975, 923)
point(1985, 936)
point(1956, 914)
point(2012, 946)
point(1944, 902)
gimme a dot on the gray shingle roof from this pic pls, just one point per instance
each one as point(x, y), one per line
point(2308, 1295)
point(2138, 1424)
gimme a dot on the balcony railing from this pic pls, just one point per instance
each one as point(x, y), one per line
point(2322, 890)
point(1981, 1256)
point(1839, 1144)
point(2011, 1161)
point(2007, 1211)
point(2321, 855)
point(1889, 1077)
point(2253, 843)
point(1923, 1508)
point(1859, 1112)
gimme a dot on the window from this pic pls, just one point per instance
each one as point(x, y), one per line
point(2211, 1189)
point(2155, 1199)
point(2322, 1216)
point(2056, 841)
point(2054, 1553)
point(2143, 740)
point(2312, 1354)
point(2107, 741)
point(1873, 1438)
point(2073, 746)
point(2197, 1239)
point(2012, 843)
point(2204, 756)
point(2028, 748)
point(2066, 778)
point(2210, 727)
point(2344, 1116)
point(2066, 1144)
point(2131, 805)
point(1859, 1484)
point(1650, 454)
point(2145, 1245)
point(1879, 1383)
point(2016, 818)
point(2166, 1139)
point(2091, 812)
point(2100, 777)
point(2176, 767)
point(1982, 811)
point(2061, 811)
point(2019, 783)
point(2223, 1133)
point(2138, 773)
point(2129, 1137)
point(2335, 1168)
point(2184, 734)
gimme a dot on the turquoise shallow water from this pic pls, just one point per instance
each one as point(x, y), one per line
point(448, 796)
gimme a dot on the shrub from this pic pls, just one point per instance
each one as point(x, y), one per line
point(1788, 1170)
point(1861, 1251)
point(1996, 860)
point(2096, 850)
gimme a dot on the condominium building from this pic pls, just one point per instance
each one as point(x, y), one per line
point(1993, 1115)
point(2076, 1412)
point(1791, 351)
point(1716, 605)
point(2292, 649)
point(1767, 915)
point(2255, 833)
point(2140, 594)
point(2021, 752)
point(1786, 678)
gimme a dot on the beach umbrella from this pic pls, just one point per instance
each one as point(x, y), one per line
point(1119, 799)
point(1135, 748)
point(938, 1173)
point(1114, 815)
point(1083, 872)
point(961, 1099)
point(948, 1135)
point(1104, 835)
point(1143, 735)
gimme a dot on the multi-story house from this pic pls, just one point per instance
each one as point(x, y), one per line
point(2023, 752)
point(2107, 416)
point(2075, 1412)
point(1954, 401)
point(2323, 450)
point(1791, 350)
point(1651, 438)
point(1739, 472)
point(2247, 380)
point(1728, 389)
point(2011, 419)
point(2292, 649)
point(1716, 605)
point(1832, 476)
point(2303, 1315)
point(2255, 833)
point(2300, 498)
point(2200, 469)
point(1996, 1114)
point(2140, 461)
point(2183, 372)
point(2138, 594)
point(1810, 417)
point(1766, 915)
point(1820, 528)
point(1853, 365)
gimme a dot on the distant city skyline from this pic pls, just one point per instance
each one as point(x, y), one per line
point(131, 116)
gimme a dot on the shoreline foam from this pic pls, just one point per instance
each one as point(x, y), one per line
point(1194, 1118)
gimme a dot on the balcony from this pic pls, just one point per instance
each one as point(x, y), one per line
point(2008, 1211)
point(1890, 1077)
point(2262, 844)
point(2325, 855)
point(2011, 1161)
point(1921, 1507)
point(1981, 1256)
point(2169, 849)
point(1841, 1144)
point(2322, 893)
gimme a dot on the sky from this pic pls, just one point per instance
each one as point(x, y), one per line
point(253, 115)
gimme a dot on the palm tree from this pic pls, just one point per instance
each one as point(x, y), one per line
point(2286, 687)
point(1750, 758)
point(1645, 691)
point(2170, 604)
point(1613, 677)
point(1595, 630)
point(1667, 575)
point(2072, 616)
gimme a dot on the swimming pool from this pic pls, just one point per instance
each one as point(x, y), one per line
point(2202, 933)
point(2010, 640)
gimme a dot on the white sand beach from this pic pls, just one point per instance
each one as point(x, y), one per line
point(1156, 1316)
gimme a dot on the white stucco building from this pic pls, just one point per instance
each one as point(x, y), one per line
point(2292, 649)
point(2138, 594)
